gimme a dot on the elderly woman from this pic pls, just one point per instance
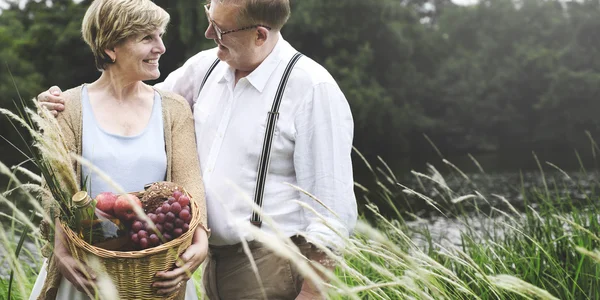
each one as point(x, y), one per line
point(134, 133)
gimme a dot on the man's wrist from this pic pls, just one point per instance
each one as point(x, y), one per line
point(331, 249)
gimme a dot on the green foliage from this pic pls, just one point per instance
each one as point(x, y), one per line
point(378, 51)
point(43, 48)
point(487, 77)
point(16, 294)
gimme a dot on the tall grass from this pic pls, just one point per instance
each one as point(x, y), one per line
point(540, 253)
point(546, 252)
point(544, 249)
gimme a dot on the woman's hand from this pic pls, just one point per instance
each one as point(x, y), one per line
point(170, 281)
point(80, 275)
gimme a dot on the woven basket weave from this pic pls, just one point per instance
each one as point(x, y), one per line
point(132, 272)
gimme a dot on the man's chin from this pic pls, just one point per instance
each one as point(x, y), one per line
point(223, 54)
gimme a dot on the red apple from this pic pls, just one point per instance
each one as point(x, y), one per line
point(103, 214)
point(124, 209)
point(106, 202)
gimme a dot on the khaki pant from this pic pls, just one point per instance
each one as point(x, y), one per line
point(228, 274)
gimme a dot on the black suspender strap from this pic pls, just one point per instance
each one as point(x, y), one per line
point(263, 164)
point(210, 69)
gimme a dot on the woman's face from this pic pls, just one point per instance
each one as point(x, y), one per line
point(137, 57)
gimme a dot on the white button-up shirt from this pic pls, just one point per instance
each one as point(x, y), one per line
point(311, 146)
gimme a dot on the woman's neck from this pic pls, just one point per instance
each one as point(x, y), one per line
point(119, 88)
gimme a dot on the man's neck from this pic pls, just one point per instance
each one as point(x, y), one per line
point(263, 53)
point(239, 74)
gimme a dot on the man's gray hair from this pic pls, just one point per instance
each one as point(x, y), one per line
point(272, 13)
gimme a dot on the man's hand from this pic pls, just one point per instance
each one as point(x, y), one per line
point(309, 292)
point(170, 281)
point(52, 100)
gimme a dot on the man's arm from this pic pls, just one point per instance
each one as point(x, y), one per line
point(177, 82)
point(324, 169)
point(322, 159)
point(184, 81)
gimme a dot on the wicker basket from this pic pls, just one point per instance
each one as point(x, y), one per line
point(133, 272)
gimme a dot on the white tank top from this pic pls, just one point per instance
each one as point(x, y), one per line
point(130, 161)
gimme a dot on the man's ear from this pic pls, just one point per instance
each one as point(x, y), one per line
point(262, 34)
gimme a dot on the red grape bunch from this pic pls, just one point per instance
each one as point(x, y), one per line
point(171, 220)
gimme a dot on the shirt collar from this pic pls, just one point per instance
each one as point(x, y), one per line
point(259, 77)
point(226, 74)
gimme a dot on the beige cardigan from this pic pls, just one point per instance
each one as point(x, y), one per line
point(183, 166)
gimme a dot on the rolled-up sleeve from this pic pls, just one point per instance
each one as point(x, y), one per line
point(322, 161)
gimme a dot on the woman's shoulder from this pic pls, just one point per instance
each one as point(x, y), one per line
point(73, 94)
point(72, 98)
point(173, 102)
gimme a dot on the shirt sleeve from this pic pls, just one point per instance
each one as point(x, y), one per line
point(323, 164)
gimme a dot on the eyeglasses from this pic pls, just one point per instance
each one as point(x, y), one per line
point(221, 33)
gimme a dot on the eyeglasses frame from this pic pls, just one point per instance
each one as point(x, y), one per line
point(221, 33)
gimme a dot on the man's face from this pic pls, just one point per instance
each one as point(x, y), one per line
point(235, 48)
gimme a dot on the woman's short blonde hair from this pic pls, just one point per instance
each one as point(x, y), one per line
point(109, 22)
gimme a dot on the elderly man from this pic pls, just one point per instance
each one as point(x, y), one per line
point(309, 146)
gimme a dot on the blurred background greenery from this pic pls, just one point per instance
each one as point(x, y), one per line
point(473, 87)
point(495, 79)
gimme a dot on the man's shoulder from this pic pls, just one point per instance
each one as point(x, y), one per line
point(203, 59)
point(309, 75)
point(309, 72)
point(306, 70)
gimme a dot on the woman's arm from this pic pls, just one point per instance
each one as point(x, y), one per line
point(170, 281)
point(185, 171)
point(79, 274)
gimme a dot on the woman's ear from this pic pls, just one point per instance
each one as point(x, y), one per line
point(111, 54)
